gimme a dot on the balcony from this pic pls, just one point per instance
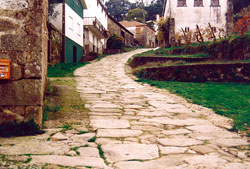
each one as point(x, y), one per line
point(95, 26)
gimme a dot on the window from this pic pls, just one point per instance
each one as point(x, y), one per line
point(198, 3)
point(215, 3)
point(181, 3)
point(79, 29)
point(138, 30)
point(71, 23)
point(123, 34)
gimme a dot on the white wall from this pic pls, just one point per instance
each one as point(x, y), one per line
point(132, 30)
point(96, 11)
point(190, 16)
point(73, 26)
point(91, 37)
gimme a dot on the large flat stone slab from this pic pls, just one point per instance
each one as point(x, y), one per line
point(205, 128)
point(173, 150)
point(205, 149)
point(106, 106)
point(171, 108)
point(33, 147)
point(169, 121)
point(82, 137)
point(118, 133)
point(153, 114)
point(205, 159)
point(169, 162)
point(58, 137)
point(121, 152)
point(213, 135)
point(103, 141)
point(88, 152)
point(179, 142)
point(69, 161)
point(229, 142)
point(109, 123)
point(176, 132)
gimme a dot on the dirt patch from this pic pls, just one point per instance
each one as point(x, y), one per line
point(63, 105)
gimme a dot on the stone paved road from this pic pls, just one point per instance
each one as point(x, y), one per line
point(132, 126)
point(140, 128)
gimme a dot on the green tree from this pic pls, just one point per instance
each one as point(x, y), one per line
point(136, 14)
point(155, 8)
point(240, 4)
point(118, 8)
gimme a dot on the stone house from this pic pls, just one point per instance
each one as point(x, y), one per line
point(143, 34)
point(23, 60)
point(67, 17)
point(95, 25)
point(114, 27)
point(187, 14)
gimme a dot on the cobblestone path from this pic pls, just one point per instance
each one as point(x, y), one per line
point(134, 126)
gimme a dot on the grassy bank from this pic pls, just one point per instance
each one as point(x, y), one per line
point(228, 99)
point(64, 69)
point(63, 105)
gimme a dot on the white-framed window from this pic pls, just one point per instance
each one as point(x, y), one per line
point(186, 29)
point(78, 29)
point(215, 2)
point(181, 3)
point(198, 3)
point(71, 23)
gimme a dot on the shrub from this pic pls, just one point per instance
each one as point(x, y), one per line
point(115, 42)
point(21, 129)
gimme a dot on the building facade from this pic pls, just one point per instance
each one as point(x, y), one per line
point(95, 27)
point(67, 17)
point(186, 15)
point(143, 34)
point(115, 27)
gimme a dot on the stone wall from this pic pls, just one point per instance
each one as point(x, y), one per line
point(55, 45)
point(115, 28)
point(238, 72)
point(229, 49)
point(23, 41)
point(142, 60)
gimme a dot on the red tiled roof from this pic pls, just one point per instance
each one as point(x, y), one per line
point(127, 24)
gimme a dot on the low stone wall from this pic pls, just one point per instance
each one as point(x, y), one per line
point(142, 60)
point(24, 42)
point(199, 73)
point(238, 48)
point(112, 51)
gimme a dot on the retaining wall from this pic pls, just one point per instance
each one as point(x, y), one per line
point(199, 73)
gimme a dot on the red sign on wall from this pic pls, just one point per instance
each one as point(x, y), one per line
point(4, 69)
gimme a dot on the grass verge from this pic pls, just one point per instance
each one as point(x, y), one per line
point(63, 105)
point(228, 99)
point(64, 69)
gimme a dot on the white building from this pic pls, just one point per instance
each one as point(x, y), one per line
point(95, 25)
point(187, 14)
point(67, 17)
